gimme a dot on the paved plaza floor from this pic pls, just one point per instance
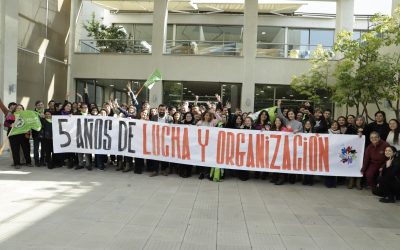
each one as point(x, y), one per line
point(77, 209)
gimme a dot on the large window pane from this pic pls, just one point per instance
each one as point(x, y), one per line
point(187, 32)
point(270, 41)
point(299, 40)
point(221, 33)
point(323, 37)
point(172, 93)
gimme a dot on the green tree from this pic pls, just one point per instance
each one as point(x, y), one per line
point(109, 38)
point(316, 80)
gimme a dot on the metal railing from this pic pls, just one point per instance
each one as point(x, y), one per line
point(287, 50)
point(196, 47)
point(125, 46)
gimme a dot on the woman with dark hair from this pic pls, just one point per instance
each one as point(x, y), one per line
point(188, 119)
point(185, 170)
point(74, 108)
point(153, 112)
point(393, 136)
point(389, 177)
point(379, 125)
point(308, 179)
point(293, 126)
point(350, 120)
point(177, 117)
point(69, 157)
point(356, 129)
point(278, 125)
point(244, 175)
point(263, 122)
point(342, 124)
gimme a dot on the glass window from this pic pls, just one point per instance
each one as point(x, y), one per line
point(270, 41)
point(323, 37)
point(187, 32)
point(172, 93)
point(143, 32)
point(263, 96)
point(221, 33)
point(298, 43)
point(99, 95)
point(107, 87)
point(267, 34)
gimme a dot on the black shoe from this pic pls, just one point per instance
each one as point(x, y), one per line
point(29, 164)
point(280, 182)
point(78, 167)
point(201, 176)
point(387, 200)
point(89, 168)
point(37, 164)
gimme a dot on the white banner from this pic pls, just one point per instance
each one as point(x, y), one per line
point(239, 149)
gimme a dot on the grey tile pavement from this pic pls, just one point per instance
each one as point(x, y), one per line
point(69, 209)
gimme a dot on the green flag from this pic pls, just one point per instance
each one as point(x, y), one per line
point(271, 112)
point(155, 77)
point(25, 121)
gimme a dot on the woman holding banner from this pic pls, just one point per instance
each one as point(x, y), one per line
point(185, 171)
point(278, 125)
point(356, 129)
point(244, 175)
point(293, 126)
point(210, 119)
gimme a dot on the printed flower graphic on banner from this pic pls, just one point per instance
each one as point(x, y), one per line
point(347, 155)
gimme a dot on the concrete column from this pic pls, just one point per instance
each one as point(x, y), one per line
point(160, 17)
point(344, 15)
point(71, 86)
point(8, 50)
point(249, 53)
point(8, 55)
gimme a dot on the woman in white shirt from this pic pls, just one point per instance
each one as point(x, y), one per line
point(393, 137)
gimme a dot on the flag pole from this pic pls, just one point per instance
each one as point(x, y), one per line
point(140, 90)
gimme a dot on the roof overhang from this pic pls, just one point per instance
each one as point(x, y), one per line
point(227, 6)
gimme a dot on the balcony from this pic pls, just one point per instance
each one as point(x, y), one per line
point(285, 50)
point(208, 48)
point(127, 46)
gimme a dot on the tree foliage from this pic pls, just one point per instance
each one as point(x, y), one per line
point(316, 79)
point(362, 74)
point(108, 38)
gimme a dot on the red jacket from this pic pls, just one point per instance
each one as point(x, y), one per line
point(375, 155)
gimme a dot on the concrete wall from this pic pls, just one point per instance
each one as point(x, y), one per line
point(42, 79)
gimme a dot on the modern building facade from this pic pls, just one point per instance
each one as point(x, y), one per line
point(245, 51)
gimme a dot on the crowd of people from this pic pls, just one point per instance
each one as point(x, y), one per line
point(381, 167)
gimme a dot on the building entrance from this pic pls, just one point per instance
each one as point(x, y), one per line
point(175, 92)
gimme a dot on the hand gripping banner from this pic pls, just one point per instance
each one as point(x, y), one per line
point(253, 150)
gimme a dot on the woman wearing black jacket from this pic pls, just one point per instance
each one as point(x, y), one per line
point(389, 178)
point(357, 129)
point(244, 175)
point(47, 141)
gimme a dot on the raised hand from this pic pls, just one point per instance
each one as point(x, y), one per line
point(85, 89)
point(279, 103)
point(129, 86)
